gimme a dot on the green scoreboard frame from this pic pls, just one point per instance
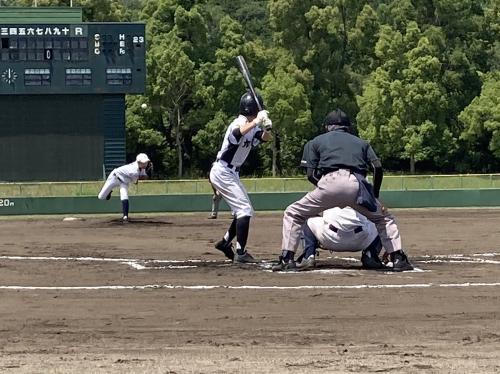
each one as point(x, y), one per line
point(62, 97)
point(72, 58)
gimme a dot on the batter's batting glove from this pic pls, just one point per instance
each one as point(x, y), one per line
point(149, 169)
point(262, 116)
point(267, 124)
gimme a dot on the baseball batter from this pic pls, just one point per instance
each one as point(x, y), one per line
point(248, 130)
point(121, 177)
point(338, 162)
point(341, 230)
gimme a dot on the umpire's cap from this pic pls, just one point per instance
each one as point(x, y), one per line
point(248, 105)
point(338, 118)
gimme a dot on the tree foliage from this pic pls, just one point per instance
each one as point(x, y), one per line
point(419, 77)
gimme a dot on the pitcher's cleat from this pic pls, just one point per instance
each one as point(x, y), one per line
point(245, 258)
point(212, 216)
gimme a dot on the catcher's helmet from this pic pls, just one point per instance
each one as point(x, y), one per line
point(338, 118)
point(248, 105)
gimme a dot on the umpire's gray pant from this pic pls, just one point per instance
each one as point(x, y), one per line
point(338, 188)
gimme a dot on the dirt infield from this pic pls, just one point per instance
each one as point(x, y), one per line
point(153, 296)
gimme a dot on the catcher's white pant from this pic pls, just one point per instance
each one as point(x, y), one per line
point(227, 182)
point(342, 240)
point(111, 183)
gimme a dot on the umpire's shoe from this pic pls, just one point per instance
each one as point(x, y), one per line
point(285, 266)
point(400, 261)
point(306, 263)
point(226, 248)
point(244, 258)
point(285, 262)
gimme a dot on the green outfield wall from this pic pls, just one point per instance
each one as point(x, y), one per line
point(267, 201)
point(266, 194)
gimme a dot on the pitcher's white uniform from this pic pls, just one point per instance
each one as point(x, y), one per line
point(122, 177)
point(343, 230)
point(224, 174)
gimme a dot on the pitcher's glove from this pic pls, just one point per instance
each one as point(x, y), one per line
point(149, 169)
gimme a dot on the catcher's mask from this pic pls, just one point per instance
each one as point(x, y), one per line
point(337, 119)
point(248, 105)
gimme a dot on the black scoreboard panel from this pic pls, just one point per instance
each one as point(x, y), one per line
point(72, 58)
point(55, 137)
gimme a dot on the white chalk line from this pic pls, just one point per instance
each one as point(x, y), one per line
point(136, 264)
point(139, 264)
point(249, 287)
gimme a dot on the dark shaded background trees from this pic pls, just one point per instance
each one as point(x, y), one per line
point(420, 78)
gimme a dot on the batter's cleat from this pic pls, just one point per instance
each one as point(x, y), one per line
point(371, 261)
point(109, 195)
point(245, 258)
point(306, 263)
point(125, 219)
point(226, 248)
point(400, 261)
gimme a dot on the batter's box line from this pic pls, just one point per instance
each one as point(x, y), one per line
point(248, 287)
point(140, 264)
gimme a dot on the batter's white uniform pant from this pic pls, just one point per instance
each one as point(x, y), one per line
point(227, 182)
point(340, 240)
point(111, 183)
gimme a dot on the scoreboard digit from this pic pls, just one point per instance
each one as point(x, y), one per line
point(72, 58)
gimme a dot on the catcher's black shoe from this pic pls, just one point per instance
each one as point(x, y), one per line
point(400, 261)
point(371, 261)
point(226, 248)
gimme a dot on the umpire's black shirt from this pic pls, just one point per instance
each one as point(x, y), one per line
point(338, 149)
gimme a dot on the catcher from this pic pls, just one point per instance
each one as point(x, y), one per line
point(141, 168)
point(341, 230)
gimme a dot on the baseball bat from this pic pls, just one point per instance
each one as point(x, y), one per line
point(242, 66)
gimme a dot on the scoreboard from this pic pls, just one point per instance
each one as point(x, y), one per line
point(86, 58)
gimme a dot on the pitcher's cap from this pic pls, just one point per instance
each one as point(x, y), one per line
point(142, 157)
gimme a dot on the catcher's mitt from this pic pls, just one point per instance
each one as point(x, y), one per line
point(149, 169)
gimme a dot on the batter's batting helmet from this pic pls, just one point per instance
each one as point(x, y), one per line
point(248, 106)
point(336, 118)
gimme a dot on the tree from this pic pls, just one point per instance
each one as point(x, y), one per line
point(284, 88)
point(482, 124)
point(404, 105)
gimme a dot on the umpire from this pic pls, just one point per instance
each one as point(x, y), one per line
point(337, 163)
